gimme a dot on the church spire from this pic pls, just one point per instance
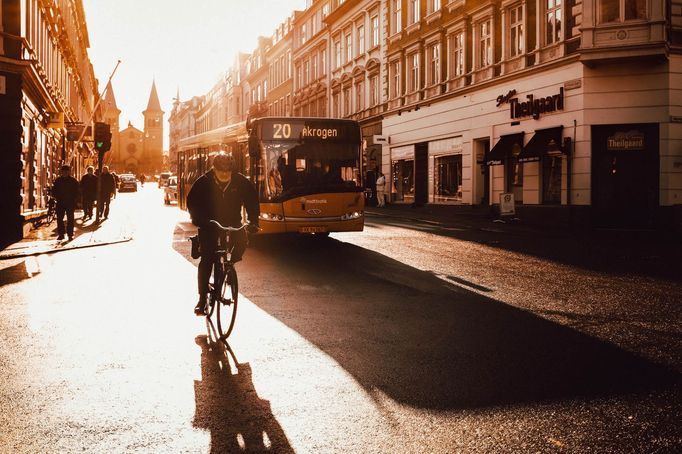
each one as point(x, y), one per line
point(153, 105)
point(109, 98)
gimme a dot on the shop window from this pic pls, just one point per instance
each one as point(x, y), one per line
point(448, 179)
point(551, 179)
point(403, 180)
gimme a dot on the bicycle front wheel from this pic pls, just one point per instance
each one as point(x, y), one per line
point(227, 302)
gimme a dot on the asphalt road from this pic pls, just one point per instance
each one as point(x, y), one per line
point(407, 337)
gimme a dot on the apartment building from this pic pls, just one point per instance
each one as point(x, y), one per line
point(46, 85)
point(356, 71)
point(279, 58)
point(570, 110)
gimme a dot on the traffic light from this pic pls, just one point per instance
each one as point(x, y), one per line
point(102, 137)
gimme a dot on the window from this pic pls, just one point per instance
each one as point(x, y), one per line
point(303, 33)
point(306, 72)
point(299, 77)
point(413, 11)
point(456, 47)
point(336, 103)
point(323, 62)
point(396, 16)
point(551, 179)
point(322, 107)
point(349, 47)
point(621, 10)
point(361, 39)
point(447, 179)
point(553, 22)
point(313, 63)
point(434, 5)
point(325, 10)
point(395, 79)
point(434, 64)
point(346, 101)
point(485, 48)
point(375, 31)
point(337, 54)
point(288, 64)
point(516, 30)
point(373, 90)
point(413, 61)
point(359, 96)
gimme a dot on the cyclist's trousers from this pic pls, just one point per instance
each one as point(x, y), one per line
point(208, 241)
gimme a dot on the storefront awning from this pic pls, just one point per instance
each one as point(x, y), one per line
point(542, 142)
point(504, 148)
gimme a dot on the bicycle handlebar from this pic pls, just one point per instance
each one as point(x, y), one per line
point(227, 229)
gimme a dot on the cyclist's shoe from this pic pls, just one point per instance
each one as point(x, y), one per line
point(200, 308)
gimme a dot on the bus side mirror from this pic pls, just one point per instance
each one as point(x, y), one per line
point(254, 148)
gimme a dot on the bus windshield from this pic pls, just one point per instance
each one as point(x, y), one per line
point(294, 169)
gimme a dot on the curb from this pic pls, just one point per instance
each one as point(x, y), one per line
point(52, 250)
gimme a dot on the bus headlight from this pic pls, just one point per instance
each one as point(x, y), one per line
point(271, 217)
point(351, 215)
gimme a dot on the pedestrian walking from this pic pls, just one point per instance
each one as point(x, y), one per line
point(88, 192)
point(65, 190)
point(107, 190)
point(381, 189)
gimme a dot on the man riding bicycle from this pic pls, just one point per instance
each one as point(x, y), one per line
point(219, 195)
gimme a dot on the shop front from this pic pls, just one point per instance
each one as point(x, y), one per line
point(402, 174)
point(625, 175)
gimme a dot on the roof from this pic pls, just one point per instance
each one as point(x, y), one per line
point(153, 105)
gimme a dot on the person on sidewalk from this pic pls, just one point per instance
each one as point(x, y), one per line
point(381, 188)
point(89, 192)
point(108, 189)
point(65, 190)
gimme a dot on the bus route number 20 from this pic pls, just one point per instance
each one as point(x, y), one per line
point(281, 131)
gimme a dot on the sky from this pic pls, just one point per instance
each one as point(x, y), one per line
point(181, 44)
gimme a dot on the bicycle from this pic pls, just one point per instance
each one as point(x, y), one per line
point(224, 287)
point(51, 213)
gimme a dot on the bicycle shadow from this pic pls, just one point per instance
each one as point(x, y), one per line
point(428, 343)
point(227, 404)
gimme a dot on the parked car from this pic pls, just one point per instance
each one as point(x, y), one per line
point(170, 190)
point(128, 183)
point(163, 178)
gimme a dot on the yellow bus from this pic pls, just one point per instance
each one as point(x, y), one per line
point(306, 170)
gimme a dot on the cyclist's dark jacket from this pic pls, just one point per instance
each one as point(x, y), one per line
point(66, 191)
point(207, 201)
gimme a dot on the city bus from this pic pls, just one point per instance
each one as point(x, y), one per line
point(306, 171)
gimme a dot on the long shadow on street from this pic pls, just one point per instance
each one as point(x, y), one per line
point(228, 406)
point(645, 253)
point(426, 343)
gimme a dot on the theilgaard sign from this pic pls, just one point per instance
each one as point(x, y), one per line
point(533, 107)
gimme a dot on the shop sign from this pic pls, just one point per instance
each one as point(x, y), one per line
point(74, 131)
point(625, 141)
point(533, 107)
point(507, 207)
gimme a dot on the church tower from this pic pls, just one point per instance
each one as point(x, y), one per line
point(111, 116)
point(152, 161)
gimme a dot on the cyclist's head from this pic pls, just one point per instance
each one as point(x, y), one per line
point(223, 162)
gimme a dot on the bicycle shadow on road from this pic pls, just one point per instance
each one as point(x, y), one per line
point(228, 405)
point(427, 343)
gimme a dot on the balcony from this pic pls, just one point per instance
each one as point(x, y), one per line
point(642, 38)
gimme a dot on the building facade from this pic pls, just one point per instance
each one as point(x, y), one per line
point(46, 86)
point(566, 111)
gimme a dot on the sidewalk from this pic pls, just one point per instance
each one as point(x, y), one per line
point(43, 240)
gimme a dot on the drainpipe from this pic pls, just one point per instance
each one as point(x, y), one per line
point(569, 168)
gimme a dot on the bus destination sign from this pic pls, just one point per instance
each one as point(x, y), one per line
point(309, 131)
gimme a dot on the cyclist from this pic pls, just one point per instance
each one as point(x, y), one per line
point(219, 195)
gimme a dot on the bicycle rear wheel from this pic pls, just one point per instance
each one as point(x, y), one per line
point(227, 302)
